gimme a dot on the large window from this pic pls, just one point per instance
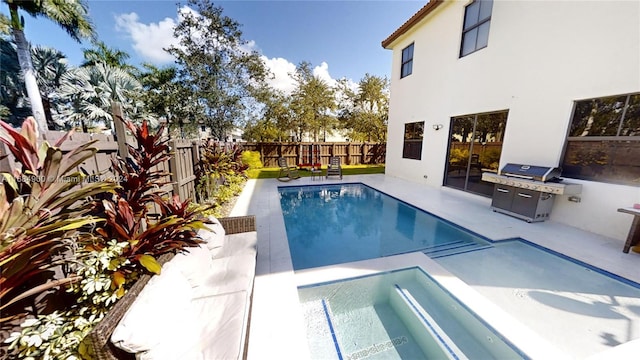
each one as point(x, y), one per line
point(413, 133)
point(604, 140)
point(475, 32)
point(475, 146)
point(407, 61)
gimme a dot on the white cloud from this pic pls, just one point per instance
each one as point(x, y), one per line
point(281, 68)
point(322, 71)
point(148, 39)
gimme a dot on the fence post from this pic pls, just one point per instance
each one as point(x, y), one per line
point(118, 125)
point(195, 159)
point(195, 152)
point(175, 169)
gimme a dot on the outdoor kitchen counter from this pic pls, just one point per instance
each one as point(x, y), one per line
point(634, 232)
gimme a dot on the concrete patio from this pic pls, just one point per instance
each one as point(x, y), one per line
point(277, 330)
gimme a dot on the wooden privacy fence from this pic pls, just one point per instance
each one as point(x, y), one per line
point(310, 153)
point(181, 166)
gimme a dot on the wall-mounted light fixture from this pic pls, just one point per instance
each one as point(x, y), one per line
point(437, 127)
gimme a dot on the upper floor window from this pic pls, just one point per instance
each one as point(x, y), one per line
point(475, 32)
point(413, 134)
point(407, 61)
point(604, 140)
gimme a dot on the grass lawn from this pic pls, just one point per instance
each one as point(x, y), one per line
point(272, 173)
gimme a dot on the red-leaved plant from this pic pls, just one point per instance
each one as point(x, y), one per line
point(42, 208)
point(216, 164)
point(127, 212)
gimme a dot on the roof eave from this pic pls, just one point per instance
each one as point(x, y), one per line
point(415, 19)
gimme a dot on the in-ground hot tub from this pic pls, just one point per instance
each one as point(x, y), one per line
point(401, 314)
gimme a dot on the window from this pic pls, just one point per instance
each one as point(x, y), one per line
point(413, 133)
point(475, 146)
point(407, 61)
point(475, 32)
point(604, 140)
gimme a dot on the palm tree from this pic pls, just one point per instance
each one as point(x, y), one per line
point(90, 91)
point(101, 53)
point(49, 65)
point(13, 98)
point(70, 15)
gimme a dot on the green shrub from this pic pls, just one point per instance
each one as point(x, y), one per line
point(123, 241)
point(60, 335)
point(252, 159)
point(490, 158)
point(459, 155)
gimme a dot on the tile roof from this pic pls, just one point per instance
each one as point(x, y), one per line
point(428, 8)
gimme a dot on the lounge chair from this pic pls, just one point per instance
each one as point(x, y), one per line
point(287, 172)
point(334, 168)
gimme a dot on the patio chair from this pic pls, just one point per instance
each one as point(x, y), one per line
point(287, 172)
point(334, 168)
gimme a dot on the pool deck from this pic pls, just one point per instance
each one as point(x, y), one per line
point(277, 329)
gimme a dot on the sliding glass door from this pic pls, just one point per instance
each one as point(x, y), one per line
point(475, 145)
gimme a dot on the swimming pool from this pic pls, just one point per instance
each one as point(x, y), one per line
point(585, 309)
point(333, 224)
point(402, 314)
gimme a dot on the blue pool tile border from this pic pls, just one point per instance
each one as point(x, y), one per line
point(576, 261)
point(331, 329)
point(418, 268)
point(427, 322)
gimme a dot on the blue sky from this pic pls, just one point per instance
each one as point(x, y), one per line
point(339, 38)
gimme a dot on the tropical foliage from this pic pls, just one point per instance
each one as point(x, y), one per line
point(90, 90)
point(103, 54)
point(50, 65)
point(15, 105)
point(72, 16)
point(217, 84)
point(142, 184)
point(108, 241)
point(42, 210)
point(312, 103)
point(219, 167)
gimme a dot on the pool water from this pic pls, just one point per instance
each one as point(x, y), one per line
point(402, 314)
point(581, 309)
point(588, 309)
point(334, 224)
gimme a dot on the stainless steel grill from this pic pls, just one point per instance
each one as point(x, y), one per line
point(531, 172)
point(527, 191)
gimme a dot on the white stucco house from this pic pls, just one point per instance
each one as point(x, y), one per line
point(478, 84)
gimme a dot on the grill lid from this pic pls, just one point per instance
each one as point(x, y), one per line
point(531, 172)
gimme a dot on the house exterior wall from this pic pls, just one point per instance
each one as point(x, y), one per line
point(541, 57)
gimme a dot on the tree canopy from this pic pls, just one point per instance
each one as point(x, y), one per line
point(218, 82)
point(71, 16)
point(215, 66)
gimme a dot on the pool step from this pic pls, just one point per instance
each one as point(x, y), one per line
point(433, 341)
point(452, 248)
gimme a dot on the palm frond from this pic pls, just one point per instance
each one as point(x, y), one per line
point(71, 15)
point(5, 25)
